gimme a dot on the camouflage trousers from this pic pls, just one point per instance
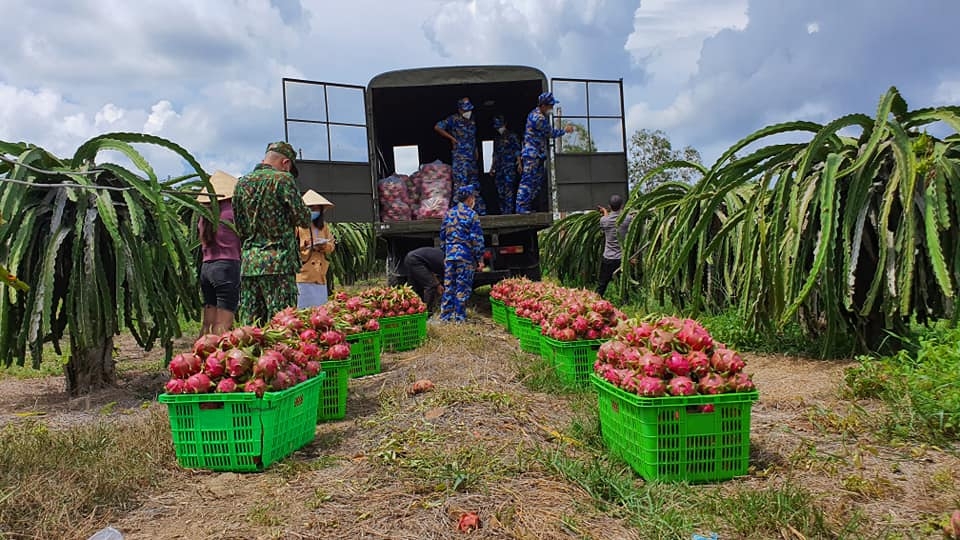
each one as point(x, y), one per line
point(261, 297)
point(457, 288)
point(531, 181)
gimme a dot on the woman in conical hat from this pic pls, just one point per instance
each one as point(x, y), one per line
point(220, 269)
point(316, 244)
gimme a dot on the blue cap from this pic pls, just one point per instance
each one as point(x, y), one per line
point(498, 122)
point(465, 105)
point(464, 192)
point(547, 98)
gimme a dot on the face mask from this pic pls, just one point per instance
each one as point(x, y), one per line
point(314, 214)
point(467, 114)
point(549, 111)
point(501, 130)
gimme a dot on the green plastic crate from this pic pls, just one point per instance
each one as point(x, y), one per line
point(333, 392)
point(365, 353)
point(240, 432)
point(404, 333)
point(672, 438)
point(499, 312)
point(572, 360)
point(512, 321)
point(529, 336)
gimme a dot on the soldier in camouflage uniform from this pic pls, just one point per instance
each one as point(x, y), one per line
point(462, 240)
point(535, 143)
point(267, 211)
point(461, 130)
point(506, 162)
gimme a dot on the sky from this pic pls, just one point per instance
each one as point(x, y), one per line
point(207, 74)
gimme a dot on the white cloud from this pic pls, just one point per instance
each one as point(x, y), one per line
point(813, 28)
point(947, 93)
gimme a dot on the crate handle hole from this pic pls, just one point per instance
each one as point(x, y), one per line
point(211, 405)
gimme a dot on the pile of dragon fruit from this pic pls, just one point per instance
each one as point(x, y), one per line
point(563, 314)
point(392, 301)
point(354, 314)
point(672, 356)
point(287, 352)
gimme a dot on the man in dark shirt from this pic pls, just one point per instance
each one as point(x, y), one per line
point(612, 235)
point(425, 274)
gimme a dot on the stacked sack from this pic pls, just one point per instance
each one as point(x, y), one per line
point(435, 190)
point(394, 198)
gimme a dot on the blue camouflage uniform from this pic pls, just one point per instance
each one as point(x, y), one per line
point(535, 144)
point(465, 172)
point(462, 240)
point(506, 153)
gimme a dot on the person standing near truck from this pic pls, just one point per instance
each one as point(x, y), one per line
point(267, 210)
point(506, 164)
point(462, 241)
point(536, 138)
point(425, 268)
point(612, 235)
point(316, 244)
point(461, 130)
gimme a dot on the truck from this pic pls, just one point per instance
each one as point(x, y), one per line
point(350, 136)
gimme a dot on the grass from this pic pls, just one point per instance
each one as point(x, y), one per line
point(63, 483)
point(919, 386)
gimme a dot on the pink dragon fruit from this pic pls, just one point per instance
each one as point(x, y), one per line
point(682, 386)
point(238, 363)
point(661, 340)
point(741, 382)
point(269, 363)
point(257, 386)
point(678, 364)
point(652, 365)
point(631, 359)
point(176, 386)
point(726, 361)
point(699, 363)
point(713, 384)
point(227, 385)
point(651, 387)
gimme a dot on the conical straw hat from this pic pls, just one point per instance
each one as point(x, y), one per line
point(312, 198)
point(223, 185)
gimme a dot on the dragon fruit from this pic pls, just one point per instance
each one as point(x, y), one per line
point(741, 382)
point(257, 386)
point(206, 345)
point(331, 337)
point(185, 365)
point(726, 361)
point(678, 364)
point(651, 387)
point(652, 365)
point(198, 384)
point(237, 363)
point(268, 364)
point(661, 340)
point(713, 384)
point(340, 351)
point(176, 386)
point(699, 363)
point(312, 369)
point(682, 386)
point(214, 366)
point(227, 385)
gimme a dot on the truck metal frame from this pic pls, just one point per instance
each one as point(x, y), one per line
point(345, 148)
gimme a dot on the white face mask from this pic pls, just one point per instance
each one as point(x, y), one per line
point(501, 130)
point(549, 111)
point(467, 114)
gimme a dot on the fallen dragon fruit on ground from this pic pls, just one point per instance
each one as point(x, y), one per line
point(670, 357)
point(290, 350)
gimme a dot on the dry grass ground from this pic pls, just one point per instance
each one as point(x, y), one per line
point(496, 437)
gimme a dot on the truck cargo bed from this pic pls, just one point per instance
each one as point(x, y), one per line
point(505, 223)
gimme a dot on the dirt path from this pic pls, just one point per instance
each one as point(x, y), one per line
point(407, 467)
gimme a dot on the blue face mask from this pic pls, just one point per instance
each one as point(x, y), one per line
point(314, 214)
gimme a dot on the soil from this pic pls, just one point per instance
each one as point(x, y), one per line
point(401, 466)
